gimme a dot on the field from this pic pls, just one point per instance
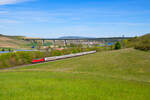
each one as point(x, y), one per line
point(108, 75)
point(12, 42)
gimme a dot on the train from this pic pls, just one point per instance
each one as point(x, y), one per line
point(46, 59)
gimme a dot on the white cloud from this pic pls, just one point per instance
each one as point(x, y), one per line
point(6, 2)
point(1, 26)
point(123, 23)
point(3, 12)
point(8, 21)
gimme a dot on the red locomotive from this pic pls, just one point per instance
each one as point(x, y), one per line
point(38, 60)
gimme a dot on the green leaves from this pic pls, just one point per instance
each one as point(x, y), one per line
point(118, 45)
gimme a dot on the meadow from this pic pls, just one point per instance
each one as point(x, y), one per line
point(108, 75)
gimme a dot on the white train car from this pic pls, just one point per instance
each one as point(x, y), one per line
point(68, 56)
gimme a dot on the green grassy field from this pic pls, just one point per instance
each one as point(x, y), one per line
point(110, 75)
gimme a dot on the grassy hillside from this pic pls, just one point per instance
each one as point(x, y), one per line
point(110, 75)
point(12, 42)
point(142, 42)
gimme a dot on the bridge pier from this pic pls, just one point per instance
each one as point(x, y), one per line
point(65, 42)
point(43, 42)
point(54, 43)
point(88, 42)
point(33, 41)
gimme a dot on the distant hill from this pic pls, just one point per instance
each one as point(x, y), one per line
point(12, 42)
point(73, 37)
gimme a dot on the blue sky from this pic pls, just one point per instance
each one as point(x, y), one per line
point(90, 18)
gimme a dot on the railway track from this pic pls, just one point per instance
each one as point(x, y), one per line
point(50, 59)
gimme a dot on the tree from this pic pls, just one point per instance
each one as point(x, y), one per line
point(3, 49)
point(118, 45)
point(9, 50)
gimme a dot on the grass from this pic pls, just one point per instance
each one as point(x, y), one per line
point(141, 43)
point(110, 75)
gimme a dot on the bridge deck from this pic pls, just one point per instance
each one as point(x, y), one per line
point(110, 38)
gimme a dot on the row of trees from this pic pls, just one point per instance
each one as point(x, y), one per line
point(6, 49)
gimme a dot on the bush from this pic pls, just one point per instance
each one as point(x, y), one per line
point(117, 46)
point(143, 45)
point(18, 58)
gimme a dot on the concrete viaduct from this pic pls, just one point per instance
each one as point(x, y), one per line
point(104, 40)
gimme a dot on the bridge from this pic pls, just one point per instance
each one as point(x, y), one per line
point(104, 40)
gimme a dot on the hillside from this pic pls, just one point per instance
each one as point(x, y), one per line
point(111, 75)
point(142, 42)
point(12, 42)
point(141, 38)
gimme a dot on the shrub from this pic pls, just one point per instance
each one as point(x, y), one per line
point(3, 49)
point(143, 45)
point(117, 45)
point(18, 58)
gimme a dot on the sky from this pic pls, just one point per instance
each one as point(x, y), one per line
point(88, 18)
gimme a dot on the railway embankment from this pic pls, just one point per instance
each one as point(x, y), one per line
point(13, 59)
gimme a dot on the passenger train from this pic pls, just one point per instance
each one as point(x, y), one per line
point(46, 59)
